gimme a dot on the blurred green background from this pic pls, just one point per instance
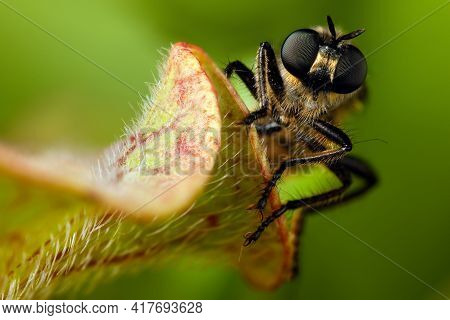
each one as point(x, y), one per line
point(53, 96)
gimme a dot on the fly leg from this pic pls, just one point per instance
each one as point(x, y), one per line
point(343, 168)
point(267, 78)
point(268, 128)
point(244, 73)
point(354, 166)
point(330, 132)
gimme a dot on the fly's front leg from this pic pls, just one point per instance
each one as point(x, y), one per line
point(327, 130)
point(268, 128)
point(244, 73)
point(248, 78)
point(267, 78)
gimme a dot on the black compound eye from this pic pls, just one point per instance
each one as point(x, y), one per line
point(299, 51)
point(351, 70)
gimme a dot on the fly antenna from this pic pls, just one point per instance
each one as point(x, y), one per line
point(331, 28)
point(350, 35)
point(344, 37)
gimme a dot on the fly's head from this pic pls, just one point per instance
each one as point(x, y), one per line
point(324, 66)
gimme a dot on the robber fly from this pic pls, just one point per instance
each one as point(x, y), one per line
point(317, 72)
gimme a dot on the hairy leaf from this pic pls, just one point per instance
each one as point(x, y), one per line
point(179, 182)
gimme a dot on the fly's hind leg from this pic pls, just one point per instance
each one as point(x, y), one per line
point(354, 166)
point(328, 131)
point(347, 165)
point(343, 168)
point(294, 204)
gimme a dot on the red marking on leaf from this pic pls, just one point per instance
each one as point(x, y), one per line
point(212, 220)
point(187, 147)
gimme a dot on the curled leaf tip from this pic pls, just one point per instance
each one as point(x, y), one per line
point(170, 152)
